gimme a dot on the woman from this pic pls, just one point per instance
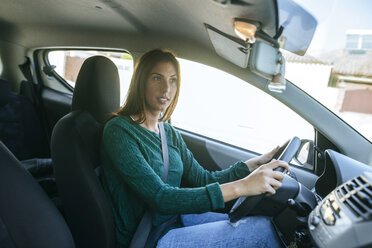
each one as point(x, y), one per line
point(133, 165)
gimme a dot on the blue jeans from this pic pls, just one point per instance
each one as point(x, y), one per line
point(215, 230)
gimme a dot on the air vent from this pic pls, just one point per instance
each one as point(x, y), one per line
point(356, 194)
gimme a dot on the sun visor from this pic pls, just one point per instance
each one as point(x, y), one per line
point(298, 27)
point(229, 47)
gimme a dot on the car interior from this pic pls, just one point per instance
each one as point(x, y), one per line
point(50, 122)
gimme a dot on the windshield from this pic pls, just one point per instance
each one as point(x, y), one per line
point(337, 67)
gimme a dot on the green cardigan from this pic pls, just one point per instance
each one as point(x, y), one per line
point(132, 167)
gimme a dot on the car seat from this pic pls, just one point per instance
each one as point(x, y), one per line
point(75, 152)
point(20, 127)
point(22, 134)
point(28, 218)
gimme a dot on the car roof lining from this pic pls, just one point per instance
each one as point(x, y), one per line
point(178, 19)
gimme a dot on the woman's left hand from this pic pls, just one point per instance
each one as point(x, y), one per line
point(256, 162)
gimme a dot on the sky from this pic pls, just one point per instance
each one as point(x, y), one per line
point(334, 18)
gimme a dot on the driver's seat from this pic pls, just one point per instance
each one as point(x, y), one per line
point(75, 154)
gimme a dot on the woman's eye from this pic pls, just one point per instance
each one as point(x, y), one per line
point(157, 78)
point(173, 80)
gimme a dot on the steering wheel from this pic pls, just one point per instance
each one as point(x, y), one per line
point(245, 204)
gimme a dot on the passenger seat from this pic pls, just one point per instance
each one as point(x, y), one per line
point(22, 133)
point(28, 218)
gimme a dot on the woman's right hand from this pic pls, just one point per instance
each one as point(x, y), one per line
point(262, 180)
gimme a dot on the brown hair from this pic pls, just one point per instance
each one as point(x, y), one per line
point(135, 104)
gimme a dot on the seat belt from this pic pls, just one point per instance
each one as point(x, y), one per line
point(164, 148)
point(143, 230)
point(34, 95)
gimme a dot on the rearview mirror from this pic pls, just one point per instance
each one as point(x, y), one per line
point(267, 61)
point(262, 57)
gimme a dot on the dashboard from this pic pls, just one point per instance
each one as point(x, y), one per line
point(338, 169)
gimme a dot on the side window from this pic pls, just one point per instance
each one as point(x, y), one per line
point(222, 107)
point(68, 63)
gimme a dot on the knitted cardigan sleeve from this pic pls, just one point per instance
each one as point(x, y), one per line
point(130, 165)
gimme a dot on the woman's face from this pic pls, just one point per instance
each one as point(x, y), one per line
point(161, 87)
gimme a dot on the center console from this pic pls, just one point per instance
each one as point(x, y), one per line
point(344, 217)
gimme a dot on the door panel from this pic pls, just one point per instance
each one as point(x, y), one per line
point(56, 105)
point(213, 155)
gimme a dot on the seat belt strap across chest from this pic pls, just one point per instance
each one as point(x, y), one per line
point(143, 230)
point(164, 148)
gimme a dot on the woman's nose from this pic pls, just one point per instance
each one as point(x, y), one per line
point(166, 86)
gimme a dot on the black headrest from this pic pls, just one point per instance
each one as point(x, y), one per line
point(97, 88)
point(5, 92)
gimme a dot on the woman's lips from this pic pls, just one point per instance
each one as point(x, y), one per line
point(163, 99)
